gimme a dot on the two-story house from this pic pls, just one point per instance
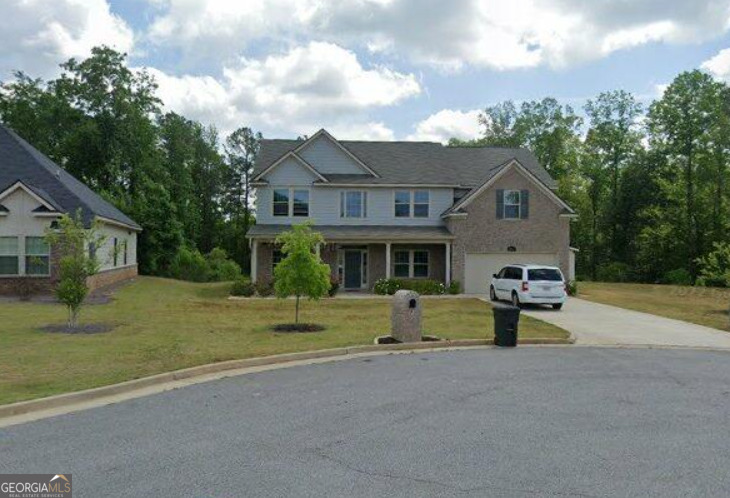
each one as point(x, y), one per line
point(409, 209)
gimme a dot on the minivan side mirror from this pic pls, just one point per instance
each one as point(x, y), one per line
point(495, 275)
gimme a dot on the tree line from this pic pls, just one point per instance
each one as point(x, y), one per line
point(177, 178)
point(649, 182)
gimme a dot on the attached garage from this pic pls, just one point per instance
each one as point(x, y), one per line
point(479, 267)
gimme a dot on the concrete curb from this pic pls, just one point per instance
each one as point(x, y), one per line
point(64, 403)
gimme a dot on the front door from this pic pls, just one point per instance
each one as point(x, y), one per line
point(353, 269)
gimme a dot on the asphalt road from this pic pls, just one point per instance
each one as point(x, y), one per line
point(525, 422)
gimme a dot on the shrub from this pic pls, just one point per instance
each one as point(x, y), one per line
point(715, 267)
point(614, 272)
point(334, 287)
point(454, 288)
point(572, 288)
point(242, 287)
point(190, 265)
point(222, 269)
point(386, 286)
point(264, 289)
point(680, 276)
point(424, 287)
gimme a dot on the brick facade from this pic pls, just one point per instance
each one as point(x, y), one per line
point(33, 286)
point(481, 232)
point(109, 277)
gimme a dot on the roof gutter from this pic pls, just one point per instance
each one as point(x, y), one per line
point(120, 224)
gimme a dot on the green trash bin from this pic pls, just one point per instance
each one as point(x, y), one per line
point(506, 325)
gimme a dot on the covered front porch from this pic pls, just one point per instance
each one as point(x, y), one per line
point(360, 256)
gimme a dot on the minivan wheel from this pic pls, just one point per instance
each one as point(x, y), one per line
point(557, 306)
point(516, 300)
point(492, 294)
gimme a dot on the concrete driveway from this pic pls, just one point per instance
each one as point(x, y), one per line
point(594, 323)
point(528, 422)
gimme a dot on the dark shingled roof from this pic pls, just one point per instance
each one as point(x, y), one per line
point(20, 161)
point(418, 163)
point(361, 232)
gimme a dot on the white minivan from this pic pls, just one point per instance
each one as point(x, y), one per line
point(535, 284)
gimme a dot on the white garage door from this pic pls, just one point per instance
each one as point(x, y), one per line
point(479, 268)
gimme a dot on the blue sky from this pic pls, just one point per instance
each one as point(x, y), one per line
point(374, 69)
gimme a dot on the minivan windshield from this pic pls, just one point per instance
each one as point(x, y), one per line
point(544, 274)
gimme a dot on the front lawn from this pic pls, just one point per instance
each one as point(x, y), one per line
point(700, 305)
point(165, 325)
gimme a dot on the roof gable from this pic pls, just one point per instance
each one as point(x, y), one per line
point(46, 204)
point(292, 169)
point(21, 162)
point(511, 165)
point(290, 165)
point(329, 156)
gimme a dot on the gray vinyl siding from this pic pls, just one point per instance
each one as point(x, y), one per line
point(290, 172)
point(327, 158)
point(324, 207)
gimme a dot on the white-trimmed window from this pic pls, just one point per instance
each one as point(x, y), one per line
point(37, 256)
point(291, 202)
point(9, 256)
point(353, 204)
point(411, 203)
point(281, 202)
point(300, 202)
point(411, 263)
point(512, 202)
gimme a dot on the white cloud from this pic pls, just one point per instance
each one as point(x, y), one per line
point(37, 35)
point(446, 124)
point(719, 65)
point(482, 33)
point(309, 87)
point(360, 131)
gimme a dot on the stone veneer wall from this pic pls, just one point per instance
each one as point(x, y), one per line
point(481, 232)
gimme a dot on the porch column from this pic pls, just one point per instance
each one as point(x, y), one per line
point(254, 259)
point(448, 263)
point(387, 260)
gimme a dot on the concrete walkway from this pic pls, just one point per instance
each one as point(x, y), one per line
point(594, 323)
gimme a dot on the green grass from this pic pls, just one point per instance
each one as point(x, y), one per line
point(164, 325)
point(700, 305)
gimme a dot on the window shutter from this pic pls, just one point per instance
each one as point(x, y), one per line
point(524, 204)
point(500, 204)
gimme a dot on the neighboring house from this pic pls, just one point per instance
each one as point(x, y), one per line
point(34, 193)
point(409, 209)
